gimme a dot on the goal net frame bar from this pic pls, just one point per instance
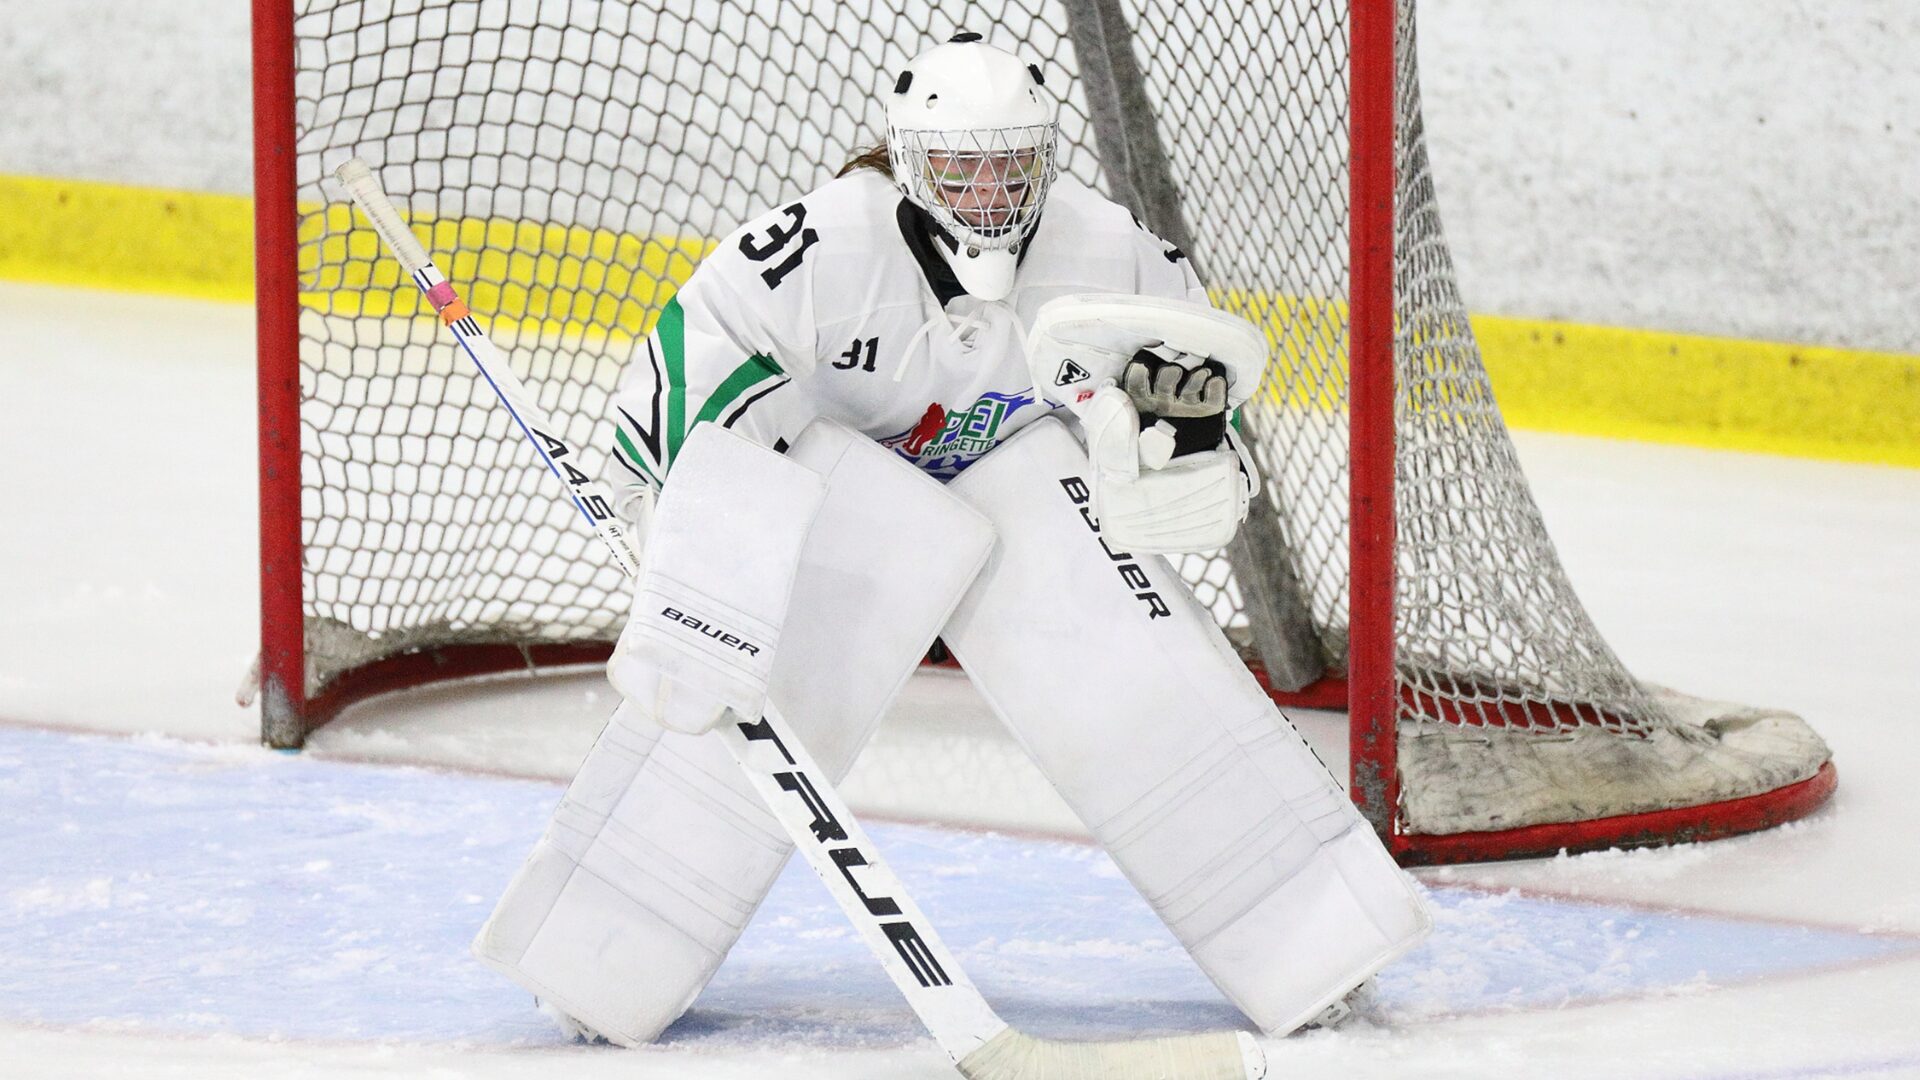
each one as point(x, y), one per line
point(287, 713)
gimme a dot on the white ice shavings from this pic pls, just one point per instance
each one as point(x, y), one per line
point(49, 898)
point(1099, 948)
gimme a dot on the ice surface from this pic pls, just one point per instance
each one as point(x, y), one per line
point(169, 887)
point(193, 906)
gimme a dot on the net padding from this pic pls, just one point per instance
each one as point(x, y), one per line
point(570, 162)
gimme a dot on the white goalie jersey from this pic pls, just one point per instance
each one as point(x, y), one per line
point(836, 305)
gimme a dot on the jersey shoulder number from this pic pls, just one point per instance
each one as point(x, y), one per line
point(1167, 249)
point(781, 244)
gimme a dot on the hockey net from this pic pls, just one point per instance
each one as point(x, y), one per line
point(569, 163)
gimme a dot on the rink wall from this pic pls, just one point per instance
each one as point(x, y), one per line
point(1550, 375)
point(1718, 177)
point(133, 239)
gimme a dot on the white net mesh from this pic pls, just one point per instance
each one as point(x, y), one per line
point(575, 159)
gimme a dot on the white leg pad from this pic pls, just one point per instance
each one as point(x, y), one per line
point(660, 852)
point(1139, 712)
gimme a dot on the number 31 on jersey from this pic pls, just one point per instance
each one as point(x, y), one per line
point(779, 238)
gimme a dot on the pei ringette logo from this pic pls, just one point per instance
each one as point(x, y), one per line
point(945, 441)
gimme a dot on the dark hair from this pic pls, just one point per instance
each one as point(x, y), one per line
point(870, 157)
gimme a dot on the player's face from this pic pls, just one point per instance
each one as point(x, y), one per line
point(986, 191)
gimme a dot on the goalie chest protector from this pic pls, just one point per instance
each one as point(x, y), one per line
point(821, 308)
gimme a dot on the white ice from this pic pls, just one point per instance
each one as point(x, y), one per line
point(175, 901)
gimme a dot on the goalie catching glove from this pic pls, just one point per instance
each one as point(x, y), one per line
point(1194, 502)
point(1152, 381)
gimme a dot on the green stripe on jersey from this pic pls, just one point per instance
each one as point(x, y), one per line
point(756, 370)
point(671, 330)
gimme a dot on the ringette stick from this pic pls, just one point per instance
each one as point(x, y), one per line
point(800, 795)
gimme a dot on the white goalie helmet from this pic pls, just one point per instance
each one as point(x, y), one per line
point(971, 131)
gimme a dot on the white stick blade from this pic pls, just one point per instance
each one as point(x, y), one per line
point(1224, 1055)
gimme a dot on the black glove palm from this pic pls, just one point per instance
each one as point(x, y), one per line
point(1192, 400)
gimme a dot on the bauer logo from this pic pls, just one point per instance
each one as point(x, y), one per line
point(1132, 574)
point(707, 629)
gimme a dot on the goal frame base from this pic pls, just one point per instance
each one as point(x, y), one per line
point(286, 725)
point(1656, 828)
point(1682, 825)
point(1660, 828)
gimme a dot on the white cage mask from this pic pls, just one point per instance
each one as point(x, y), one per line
point(972, 137)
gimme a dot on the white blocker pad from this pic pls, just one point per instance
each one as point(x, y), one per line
point(717, 633)
point(660, 851)
point(1134, 705)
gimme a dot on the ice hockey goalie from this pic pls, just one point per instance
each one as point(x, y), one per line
point(995, 400)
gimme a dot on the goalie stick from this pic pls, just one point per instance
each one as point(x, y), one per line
point(800, 796)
